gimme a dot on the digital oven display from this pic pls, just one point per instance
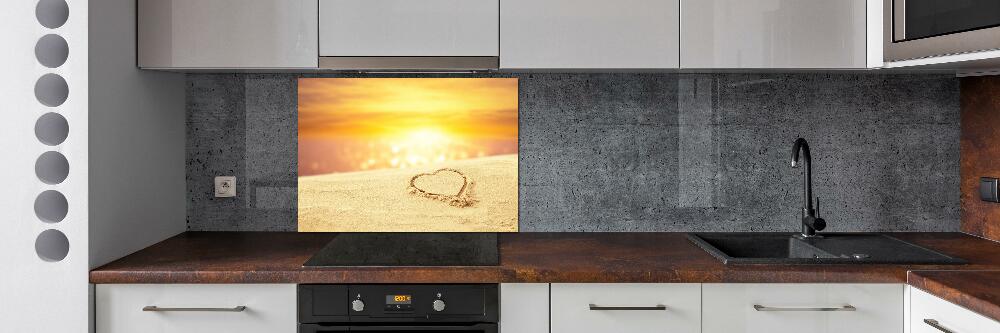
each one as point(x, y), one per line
point(398, 299)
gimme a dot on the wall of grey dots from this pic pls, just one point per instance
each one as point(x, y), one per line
point(639, 152)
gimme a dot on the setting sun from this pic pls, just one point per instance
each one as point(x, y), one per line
point(352, 124)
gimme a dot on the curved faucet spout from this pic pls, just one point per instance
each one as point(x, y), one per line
point(800, 145)
point(807, 188)
point(810, 222)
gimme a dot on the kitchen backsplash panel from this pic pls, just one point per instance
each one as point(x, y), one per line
point(638, 152)
point(980, 123)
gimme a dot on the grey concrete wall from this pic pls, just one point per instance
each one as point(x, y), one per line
point(640, 152)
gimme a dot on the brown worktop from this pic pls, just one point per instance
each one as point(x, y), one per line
point(262, 257)
point(277, 257)
point(978, 291)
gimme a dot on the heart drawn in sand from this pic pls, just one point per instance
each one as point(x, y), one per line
point(446, 184)
point(440, 182)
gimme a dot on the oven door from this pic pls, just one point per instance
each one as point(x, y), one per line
point(916, 29)
point(474, 328)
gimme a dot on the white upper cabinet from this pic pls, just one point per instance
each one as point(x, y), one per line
point(509, 34)
point(408, 28)
point(227, 33)
point(622, 34)
point(776, 34)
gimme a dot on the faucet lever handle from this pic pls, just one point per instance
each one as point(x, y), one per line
point(817, 206)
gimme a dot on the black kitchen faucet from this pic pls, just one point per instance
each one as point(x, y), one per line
point(810, 221)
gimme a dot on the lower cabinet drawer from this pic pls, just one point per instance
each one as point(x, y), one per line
point(189, 308)
point(803, 308)
point(930, 314)
point(623, 307)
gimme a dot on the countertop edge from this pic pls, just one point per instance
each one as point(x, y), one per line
point(940, 283)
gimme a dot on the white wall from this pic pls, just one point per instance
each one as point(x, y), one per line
point(38, 295)
point(126, 135)
point(137, 185)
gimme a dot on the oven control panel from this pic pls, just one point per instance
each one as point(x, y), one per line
point(398, 303)
point(422, 300)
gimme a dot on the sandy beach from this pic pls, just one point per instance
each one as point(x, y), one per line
point(378, 200)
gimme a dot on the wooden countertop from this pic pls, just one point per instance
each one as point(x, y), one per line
point(277, 257)
point(978, 291)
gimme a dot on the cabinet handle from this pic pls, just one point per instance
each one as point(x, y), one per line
point(935, 324)
point(657, 307)
point(154, 308)
point(759, 307)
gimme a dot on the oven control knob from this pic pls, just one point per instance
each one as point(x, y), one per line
point(438, 305)
point(358, 305)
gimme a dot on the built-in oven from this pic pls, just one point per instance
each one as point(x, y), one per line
point(385, 308)
point(928, 28)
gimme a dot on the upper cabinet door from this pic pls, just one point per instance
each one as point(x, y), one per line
point(409, 28)
point(621, 34)
point(227, 33)
point(773, 34)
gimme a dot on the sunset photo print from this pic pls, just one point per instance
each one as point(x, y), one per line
point(407, 155)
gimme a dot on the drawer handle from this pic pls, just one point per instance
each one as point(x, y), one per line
point(154, 308)
point(759, 307)
point(595, 307)
point(935, 324)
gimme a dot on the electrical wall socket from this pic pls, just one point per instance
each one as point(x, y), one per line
point(225, 186)
point(988, 189)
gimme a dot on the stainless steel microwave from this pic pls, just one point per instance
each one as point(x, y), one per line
point(929, 28)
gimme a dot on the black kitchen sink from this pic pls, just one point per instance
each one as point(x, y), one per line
point(831, 248)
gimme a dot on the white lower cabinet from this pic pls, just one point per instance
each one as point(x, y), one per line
point(930, 314)
point(802, 308)
point(569, 308)
point(625, 307)
point(201, 308)
point(524, 308)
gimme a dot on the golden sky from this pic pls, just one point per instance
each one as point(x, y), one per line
point(351, 124)
point(374, 107)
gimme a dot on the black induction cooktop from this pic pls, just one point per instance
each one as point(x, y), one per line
point(408, 249)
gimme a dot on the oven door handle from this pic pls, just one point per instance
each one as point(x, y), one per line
point(306, 328)
point(485, 328)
